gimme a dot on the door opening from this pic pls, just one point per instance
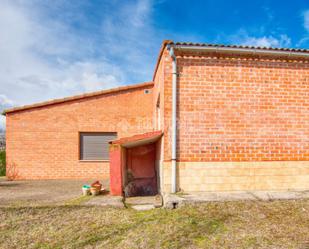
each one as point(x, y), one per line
point(141, 175)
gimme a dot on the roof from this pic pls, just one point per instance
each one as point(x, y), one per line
point(77, 97)
point(253, 48)
point(237, 46)
point(139, 139)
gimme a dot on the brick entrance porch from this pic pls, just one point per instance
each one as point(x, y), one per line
point(134, 167)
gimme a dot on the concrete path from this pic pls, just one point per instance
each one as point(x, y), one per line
point(138, 203)
point(41, 192)
point(176, 200)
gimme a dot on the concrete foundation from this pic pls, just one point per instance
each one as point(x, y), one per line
point(177, 200)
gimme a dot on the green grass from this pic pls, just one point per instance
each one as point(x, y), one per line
point(2, 163)
point(78, 201)
point(277, 224)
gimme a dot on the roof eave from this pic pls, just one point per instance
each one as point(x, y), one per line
point(77, 97)
point(242, 50)
point(289, 52)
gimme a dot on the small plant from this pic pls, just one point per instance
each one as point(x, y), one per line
point(11, 171)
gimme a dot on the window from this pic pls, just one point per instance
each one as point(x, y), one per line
point(94, 145)
point(158, 114)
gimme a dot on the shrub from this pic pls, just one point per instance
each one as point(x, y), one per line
point(11, 171)
point(2, 163)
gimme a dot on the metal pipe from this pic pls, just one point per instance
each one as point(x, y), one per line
point(174, 120)
point(253, 51)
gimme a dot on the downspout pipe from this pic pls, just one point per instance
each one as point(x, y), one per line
point(174, 119)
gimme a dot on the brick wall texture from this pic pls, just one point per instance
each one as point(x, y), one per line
point(244, 110)
point(243, 124)
point(240, 109)
point(43, 143)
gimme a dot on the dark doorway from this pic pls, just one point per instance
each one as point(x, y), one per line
point(141, 171)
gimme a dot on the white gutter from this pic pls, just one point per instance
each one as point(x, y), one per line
point(253, 51)
point(174, 120)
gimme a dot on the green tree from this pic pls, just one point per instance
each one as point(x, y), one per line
point(2, 163)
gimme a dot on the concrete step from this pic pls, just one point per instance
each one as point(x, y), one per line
point(144, 201)
point(143, 207)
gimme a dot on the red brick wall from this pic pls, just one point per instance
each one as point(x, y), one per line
point(162, 91)
point(158, 93)
point(229, 109)
point(44, 142)
point(239, 109)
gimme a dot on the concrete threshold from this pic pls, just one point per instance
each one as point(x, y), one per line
point(144, 202)
point(177, 200)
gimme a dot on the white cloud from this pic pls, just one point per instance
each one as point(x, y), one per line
point(243, 38)
point(43, 58)
point(90, 76)
point(304, 40)
point(5, 103)
point(130, 35)
point(267, 41)
point(140, 13)
point(306, 19)
point(55, 48)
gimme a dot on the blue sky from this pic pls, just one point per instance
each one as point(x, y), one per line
point(56, 48)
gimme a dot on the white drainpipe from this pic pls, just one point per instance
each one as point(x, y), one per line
point(174, 120)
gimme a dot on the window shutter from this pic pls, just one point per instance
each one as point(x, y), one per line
point(94, 146)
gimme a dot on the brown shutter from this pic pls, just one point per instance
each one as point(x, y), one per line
point(94, 145)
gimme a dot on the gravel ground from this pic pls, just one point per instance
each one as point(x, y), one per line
point(38, 192)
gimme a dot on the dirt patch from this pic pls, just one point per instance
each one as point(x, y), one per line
point(38, 192)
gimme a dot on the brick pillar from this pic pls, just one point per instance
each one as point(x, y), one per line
point(115, 170)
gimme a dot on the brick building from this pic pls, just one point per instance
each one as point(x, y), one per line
point(214, 118)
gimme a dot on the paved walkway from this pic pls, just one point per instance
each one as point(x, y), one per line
point(176, 200)
point(41, 192)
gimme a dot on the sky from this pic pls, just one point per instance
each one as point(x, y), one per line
point(56, 48)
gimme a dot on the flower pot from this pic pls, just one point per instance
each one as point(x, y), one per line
point(97, 185)
point(94, 191)
point(86, 190)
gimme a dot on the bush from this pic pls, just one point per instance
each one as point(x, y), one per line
point(2, 163)
point(11, 171)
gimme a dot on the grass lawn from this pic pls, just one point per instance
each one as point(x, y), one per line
point(277, 224)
